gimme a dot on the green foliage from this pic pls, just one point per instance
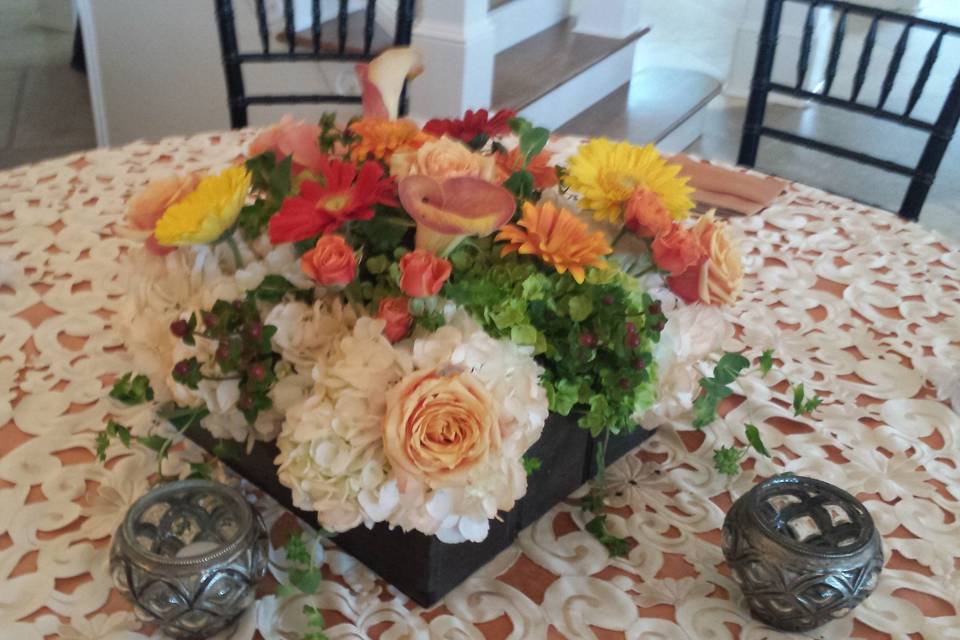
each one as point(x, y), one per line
point(531, 464)
point(273, 288)
point(716, 388)
point(200, 471)
point(616, 547)
point(272, 181)
point(304, 578)
point(382, 233)
point(803, 405)
point(187, 373)
point(228, 449)
point(726, 460)
point(315, 623)
point(766, 362)
point(520, 184)
point(594, 340)
point(753, 437)
point(113, 430)
point(132, 390)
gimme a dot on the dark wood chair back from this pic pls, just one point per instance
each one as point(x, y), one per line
point(293, 47)
point(939, 131)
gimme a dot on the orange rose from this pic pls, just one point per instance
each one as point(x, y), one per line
point(442, 159)
point(676, 249)
point(396, 312)
point(645, 214)
point(717, 278)
point(438, 427)
point(544, 174)
point(331, 262)
point(148, 206)
point(423, 273)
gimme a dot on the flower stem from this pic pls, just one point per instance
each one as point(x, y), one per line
point(237, 259)
point(619, 235)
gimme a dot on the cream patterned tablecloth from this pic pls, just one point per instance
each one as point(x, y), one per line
point(860, 306)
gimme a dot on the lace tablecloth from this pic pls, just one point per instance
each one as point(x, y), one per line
point(861, 307)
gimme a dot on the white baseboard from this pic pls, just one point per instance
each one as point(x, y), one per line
point(520, 19)
point(579, 93)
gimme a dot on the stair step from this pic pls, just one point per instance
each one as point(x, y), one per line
point(536, 66)
point(655, 104)
point(329, 39)
point(495, 4)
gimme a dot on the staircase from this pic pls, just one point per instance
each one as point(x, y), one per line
point(573, 74)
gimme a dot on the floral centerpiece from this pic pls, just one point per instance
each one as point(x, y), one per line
point(400, 307)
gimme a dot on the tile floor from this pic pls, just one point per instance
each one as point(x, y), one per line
point(44, 104)
point(45, 108)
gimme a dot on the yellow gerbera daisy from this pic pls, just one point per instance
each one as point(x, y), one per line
point(606, 174)
point(206, 213)
point(558, 238)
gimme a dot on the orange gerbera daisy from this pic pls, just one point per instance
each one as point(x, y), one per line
point(558, 238)
point(381, 138)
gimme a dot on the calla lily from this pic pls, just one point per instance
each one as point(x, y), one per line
point(382, 80)
point(450, 210)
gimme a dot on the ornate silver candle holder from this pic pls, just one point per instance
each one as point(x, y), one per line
point(188, 556)
point(803, 551)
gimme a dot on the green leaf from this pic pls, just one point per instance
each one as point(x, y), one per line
point(798, 394)
point(103, 441)
point(581, 306)
point(532, 142)
point(531, 464)
point(296, 549)
point(187, 373)
point(306, 580)
point(616, 547)
point(753, 437)
point(253, 219)
point(228, 449)
point(155, 443)
point(183, 417)
point(132, 390)
point(523, 334)
point(766, 361)
point(117, 430)
point(729, 367)
point(274, 287)
point(377, 264)
point(201, 470)
point(520, 184)
point(562, 395)
point(536, 287)
point(287, 591)
point(519, 125)
point(726, 460)
point(314, 617)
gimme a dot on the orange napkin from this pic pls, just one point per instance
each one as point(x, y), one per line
point(729, 189)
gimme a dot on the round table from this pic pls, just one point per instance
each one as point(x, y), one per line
point(861, 307)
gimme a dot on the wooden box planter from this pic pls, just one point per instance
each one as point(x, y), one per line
point(423, 567)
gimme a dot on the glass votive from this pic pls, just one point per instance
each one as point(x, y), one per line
point(188, 556)
point(803, 551)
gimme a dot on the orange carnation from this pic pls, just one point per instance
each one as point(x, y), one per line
point(544, 174)
point(331, 262)
point(381, 138)
point(677, 249)
point(645, 214)
point(717, 277)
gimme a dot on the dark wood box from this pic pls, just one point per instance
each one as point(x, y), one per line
point(423, 567)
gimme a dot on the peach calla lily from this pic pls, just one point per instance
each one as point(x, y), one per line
point(382, 80)
point(450, 210)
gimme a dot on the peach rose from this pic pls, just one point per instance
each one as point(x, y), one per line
point(396, 312)
point(439, 426)
point(423, 273)
point(442, 159)
point(148, 206)
point(544, 174)
point(717, 278)
point(291, 137)
point(676, 249)
point(331, 262)
point(645, 214)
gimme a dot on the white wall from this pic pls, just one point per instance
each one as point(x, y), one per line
point(154, 69)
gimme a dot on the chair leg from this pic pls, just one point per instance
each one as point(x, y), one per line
point(760, 87)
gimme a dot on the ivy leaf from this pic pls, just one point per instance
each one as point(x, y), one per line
point(132, 390)
point(117, 430)
point(103, 441)
point(729, 367)
point(704, 410)
point(306, 580)
point(532, 142)
point(155, 443)
point(726, 460)
point(753, 437)
point(520, 184)
point(182, 417)
point(766, 361)
point(253, 218)
point(201, 470)
point(798, 394)
point(562, 395)
point(531, 464)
